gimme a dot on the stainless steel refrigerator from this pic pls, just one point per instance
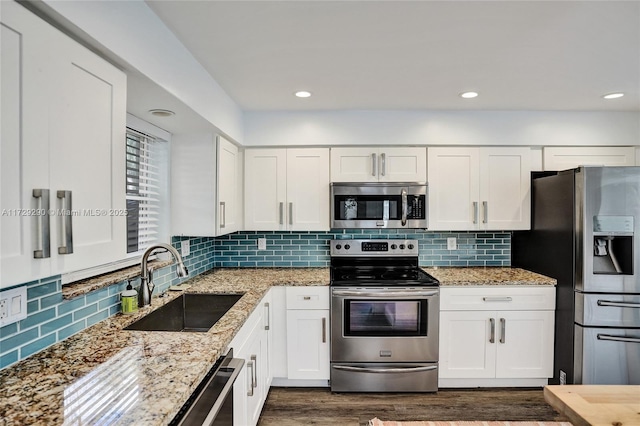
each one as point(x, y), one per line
point(585, 232)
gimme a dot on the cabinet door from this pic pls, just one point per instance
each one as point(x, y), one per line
point(24, 152)
point(87, 119)
point(227, 187)
point(453, 188)
point(467, 344)
point(265, 189)
point(354, 164)
point(524, 344)
point(308, 344)
point(505, 181)
point(308, 189)
point(563, 158)
point(256, 378)
point(402, 164)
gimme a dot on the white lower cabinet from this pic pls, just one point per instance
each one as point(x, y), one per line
point(252, 385)
point(496, 336)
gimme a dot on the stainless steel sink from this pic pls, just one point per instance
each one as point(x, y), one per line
point(188, 312)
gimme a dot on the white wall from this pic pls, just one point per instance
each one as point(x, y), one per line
point(529, 128)
point(132, 32)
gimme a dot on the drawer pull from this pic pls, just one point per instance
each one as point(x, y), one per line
point(307, 297)
point(497, 299)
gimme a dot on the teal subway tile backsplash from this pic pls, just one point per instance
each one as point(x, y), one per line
point(311, 249)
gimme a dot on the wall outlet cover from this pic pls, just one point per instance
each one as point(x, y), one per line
point(185, 248)
point(452, 244)
point(262, 243)
point(13, 305)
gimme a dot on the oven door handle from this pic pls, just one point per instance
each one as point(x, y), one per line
point(385, 294)
point(618, 338)
point(385, 370)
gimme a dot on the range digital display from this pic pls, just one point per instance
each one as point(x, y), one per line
point(375, 246)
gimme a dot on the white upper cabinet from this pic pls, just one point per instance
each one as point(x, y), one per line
point(287, 189)
point(479, 188)
point(563, 158)
point(379, 164)
point(63, 150)
point(205, 185)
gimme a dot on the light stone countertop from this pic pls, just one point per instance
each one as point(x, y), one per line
point(159, 370)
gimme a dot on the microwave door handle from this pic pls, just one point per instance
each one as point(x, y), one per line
point(403, 194)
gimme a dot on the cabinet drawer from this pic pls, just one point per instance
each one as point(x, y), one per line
point(316, 297)
point(484, 298)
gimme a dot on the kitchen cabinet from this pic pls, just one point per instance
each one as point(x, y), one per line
point(252, 385)
point(379, 164)
point(496, 336)
point(308, 352)
point(63, 152)
point(484, 188)
point(206, 185)
point(287, 189)
point(570, 157)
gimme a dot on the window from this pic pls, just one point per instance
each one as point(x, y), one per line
point(147, 184)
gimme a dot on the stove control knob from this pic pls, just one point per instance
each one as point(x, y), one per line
point(338, 246)
point(410, 246)
point(347, 246)
point(401, 246)
point(393, 246)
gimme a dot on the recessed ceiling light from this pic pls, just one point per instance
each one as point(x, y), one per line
point(613, 95)
point(161, 112)
point(303, 94)
point(468, 95)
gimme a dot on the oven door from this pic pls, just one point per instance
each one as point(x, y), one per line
point(384, 324)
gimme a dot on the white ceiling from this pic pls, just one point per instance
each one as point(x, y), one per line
point(519, 55)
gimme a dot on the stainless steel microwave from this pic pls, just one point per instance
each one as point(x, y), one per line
point(379, 205)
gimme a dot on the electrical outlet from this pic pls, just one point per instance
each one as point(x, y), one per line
point(262, 243)
point(3, 309)
point(451, 243)
point(13, 305)
point(185, 248)
point(563, 378)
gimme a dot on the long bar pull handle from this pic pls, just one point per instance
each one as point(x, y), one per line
point(503, 329)
point(324, 330)
point(254, 377)
point(251, 365)
point(281, 213)
point(475, 212)
point(67, 225)
point(223, 214)
point(374, 172)
point(45, 233)
point(290, 213)
point(492, 324)
point(618, 338)
point(268, 309)
point(405, 207)
point(383, 164)
point(384, 370)
point(618, 304)
point(485, 212)
point(497, 299)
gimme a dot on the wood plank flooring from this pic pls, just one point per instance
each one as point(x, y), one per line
point(318, 406)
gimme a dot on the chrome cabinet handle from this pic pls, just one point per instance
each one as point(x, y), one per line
point(403, 195)
point(281, 210)
point(383, 164)
point(497, 299)
point(223, 214)
point(492, 337)
point(618, 338)
point(503, 329)
point(254, 378)
point(475, 212)
point(290, 213)
point(67, 225)
point(45, 230)
point(251, 365)
point(373, 165)
point(618, 304)
point(268, 309)
point(384, 370)
point(324, 330)
point(485, 212)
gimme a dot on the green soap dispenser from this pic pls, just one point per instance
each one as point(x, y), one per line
point(129, 299)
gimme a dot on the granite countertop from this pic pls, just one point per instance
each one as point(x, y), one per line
point(151, 374)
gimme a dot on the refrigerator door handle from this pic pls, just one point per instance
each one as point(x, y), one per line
point(618, 304)
point(618, 338)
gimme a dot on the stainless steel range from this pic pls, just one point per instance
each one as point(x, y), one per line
point(384, 318)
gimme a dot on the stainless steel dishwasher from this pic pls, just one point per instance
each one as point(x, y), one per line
point(212, 401)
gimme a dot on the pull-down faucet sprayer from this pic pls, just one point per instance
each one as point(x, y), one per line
point(146, 284)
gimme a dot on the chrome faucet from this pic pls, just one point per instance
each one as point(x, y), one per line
point(146, 284)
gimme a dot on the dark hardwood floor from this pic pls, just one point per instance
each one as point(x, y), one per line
point(315, 406)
